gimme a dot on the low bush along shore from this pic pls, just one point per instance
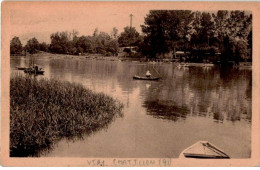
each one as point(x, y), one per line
point(44, 111)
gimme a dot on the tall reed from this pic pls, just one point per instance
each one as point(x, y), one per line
point(44, 111)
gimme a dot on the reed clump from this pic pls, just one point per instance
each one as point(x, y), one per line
point(44, 111)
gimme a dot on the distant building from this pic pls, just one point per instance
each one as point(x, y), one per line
point(168, 55)
point(180, 53)
point(126, 51)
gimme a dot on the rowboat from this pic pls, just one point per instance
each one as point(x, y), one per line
point(184, 65)
point(203, 150)
point(21, 68)
point(146, 78)
point(208, 65)
point(33, 71)
point(245, 67)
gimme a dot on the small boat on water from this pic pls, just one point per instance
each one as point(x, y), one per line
point(203, 150)
point(146, 78)
point(183, 65)
point(21, 68)
point(33, 71)
point(208, 65)
point(245, 67)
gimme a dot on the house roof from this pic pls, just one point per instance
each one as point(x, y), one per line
point(179, 52)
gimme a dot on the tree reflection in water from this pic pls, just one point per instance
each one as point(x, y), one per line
point(223, 94)
point(161, 111)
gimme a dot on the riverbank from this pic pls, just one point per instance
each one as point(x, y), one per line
point(45, 55)
point(45, 111)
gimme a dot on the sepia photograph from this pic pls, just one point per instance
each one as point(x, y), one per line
point(134, 83)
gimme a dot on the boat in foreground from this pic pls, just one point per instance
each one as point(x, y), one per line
point(203, 150)
point(146, 78)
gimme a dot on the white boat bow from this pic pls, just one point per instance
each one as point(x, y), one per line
point(203, 150)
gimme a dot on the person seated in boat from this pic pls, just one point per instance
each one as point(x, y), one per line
point(36, 67)
point(148, 74)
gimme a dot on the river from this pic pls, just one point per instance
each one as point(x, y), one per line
point(161, 118)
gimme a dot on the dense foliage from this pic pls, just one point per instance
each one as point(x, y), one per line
point(225, 32)
point(67, 43)
point(130, 37)
point(165, 29)
point(16, 46)
point(43, 111)
point(32, 46)
point(43, 47)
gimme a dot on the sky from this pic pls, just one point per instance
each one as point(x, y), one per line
point(40, 20)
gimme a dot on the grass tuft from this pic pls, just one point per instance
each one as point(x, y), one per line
point(44, 111)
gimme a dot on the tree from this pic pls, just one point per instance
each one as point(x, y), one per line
point(32, 46)
point(70, 43)
point(60, 43)
point(184, 28)
point(129, 37)
point(43, 47)
point(16, 46)
point(204, 31)
point(96, 32)
point(112, 47)
point(114, 33)
point(167, 29)
point(241, 50)
point(202, 36)
point(73, 33)
point(232, 30)
point(84, 45)
point(101, 40)
point(220, 20)
point(249, 41)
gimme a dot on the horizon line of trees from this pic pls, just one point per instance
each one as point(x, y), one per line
point(70, 43)
point(226, 32)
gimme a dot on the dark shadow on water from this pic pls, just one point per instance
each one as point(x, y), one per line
point(218, 117)
point(162, 111)
point(249, 89)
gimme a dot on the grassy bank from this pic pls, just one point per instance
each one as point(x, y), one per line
point(44, 111)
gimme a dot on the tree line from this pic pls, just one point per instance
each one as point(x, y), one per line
point(198, 34)
point(70, 43)
point(228, 33)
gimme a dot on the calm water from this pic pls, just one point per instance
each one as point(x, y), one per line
point(160, 118)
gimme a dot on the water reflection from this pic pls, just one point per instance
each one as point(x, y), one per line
point(161, 110)
point(222, 93)
point(204, 93)
point(205, 103)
